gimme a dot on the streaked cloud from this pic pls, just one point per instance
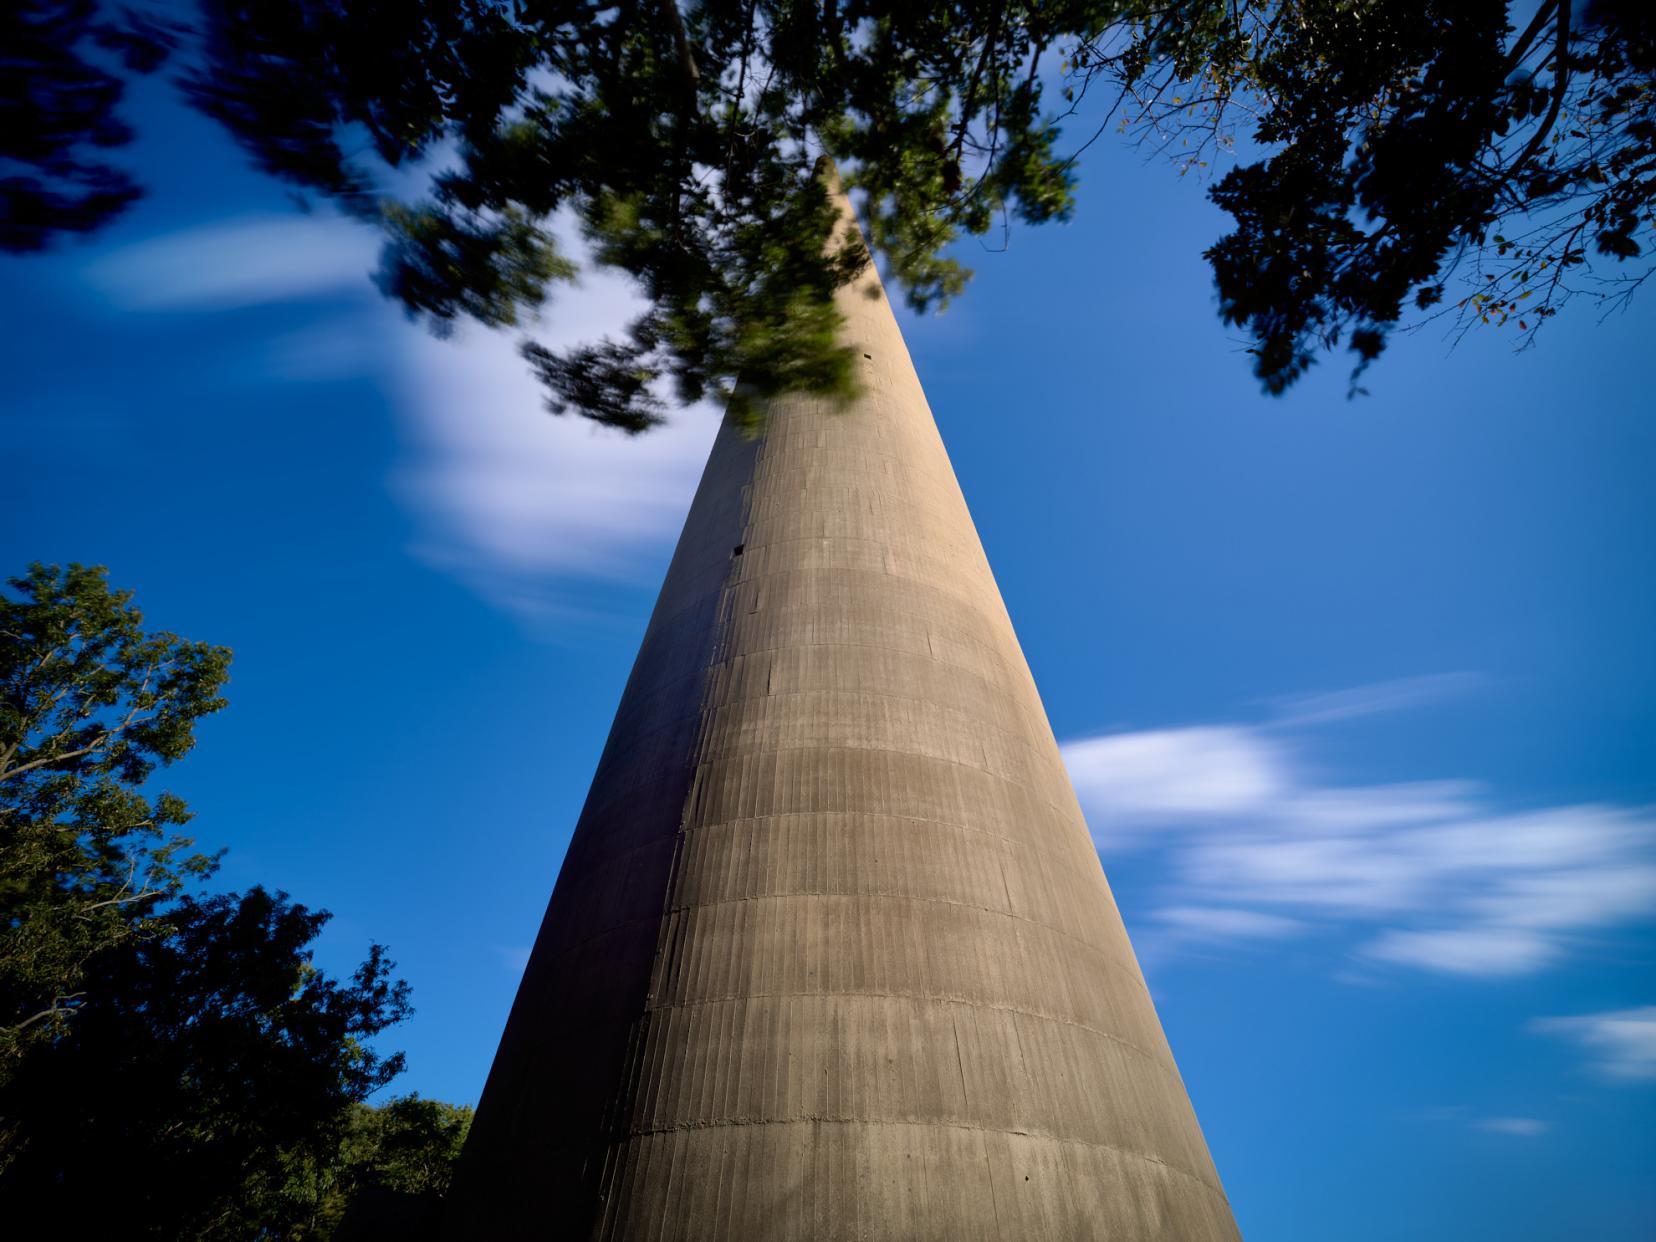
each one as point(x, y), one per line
point(519, 503)
point(1174, 774)
point(1465, 951)
point(1211, 921)
point(1461, 1115)
point(1430, 875)
point(242, 262)
point(338, 347)
point(513, 957)
point(1619, 1043)
point(1369, 700)
point(1518, 1127)
point(1176, 928)
point(528, 510)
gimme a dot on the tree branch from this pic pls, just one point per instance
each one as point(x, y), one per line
point(969, 100)
point(103, 738)
point(55, 1007)
point(1561, 80)
point(1521, 48)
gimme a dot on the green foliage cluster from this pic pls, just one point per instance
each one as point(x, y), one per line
point(58, 115)
point(404, 1150)
point(1404, 142)
point(1398, 141)
point(172, 1064)
point(682, 146)
point(680, 143)
point(216, 1058)
point(91, 704)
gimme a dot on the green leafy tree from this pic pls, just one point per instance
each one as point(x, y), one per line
point(1399, 143)
point(680, 144)
point(174, 1064)
point(1425, 159)
point(406, 1144)
point(217, 1060)
point(401, 1152)
point(90, 706)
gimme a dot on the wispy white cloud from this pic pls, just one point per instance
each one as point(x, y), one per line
point(513, 957)
point(1518, 1127)
point(525, 508)
point(1372, 699)
point(242, 262)
point(1171, 775)
point(1212, 922)
point(518, 502)
point(1621, 1043)
point(1485, 951)
point(1428, 875)
point(1460, 1114)
point(1176, 928)
point(341, 346)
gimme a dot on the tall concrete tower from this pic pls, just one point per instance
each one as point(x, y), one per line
point(832, 955)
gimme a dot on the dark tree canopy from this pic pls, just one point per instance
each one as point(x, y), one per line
point(401, 1154)
point(1389, 145)
point(58, 115)
point(1407, 143)
point(172, 1064)
point(218, 1057)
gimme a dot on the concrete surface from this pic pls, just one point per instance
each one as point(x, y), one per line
point(832, 954)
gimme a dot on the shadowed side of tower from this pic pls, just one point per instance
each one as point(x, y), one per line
point(832, 954)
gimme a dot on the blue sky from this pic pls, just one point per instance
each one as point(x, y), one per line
point(1360, 697)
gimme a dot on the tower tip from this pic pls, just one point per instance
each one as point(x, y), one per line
point(827, 171)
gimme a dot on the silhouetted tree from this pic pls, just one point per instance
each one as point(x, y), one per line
point(58, 114)
point(172, 1065)
point(680, 140)
point(216, 1058)
point(1408, 142)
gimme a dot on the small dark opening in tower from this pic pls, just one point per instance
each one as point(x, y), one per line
point(737, 550)
point(870, 357)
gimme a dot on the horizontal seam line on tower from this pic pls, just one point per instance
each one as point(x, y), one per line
point(701, 673)
point(760, 576)
point(942, 901)
point(928, 654)
point(681, 827)
point(1034, 793)
point(722, 628)
point(915, 819)
point(902, 459)
point(659, 919)
point(727, 581)
point(651, 1131)
point(701, 709)
point(936, 998)
point(701, 713)
point(964, 638)
point(700, 762)
point(937, 516)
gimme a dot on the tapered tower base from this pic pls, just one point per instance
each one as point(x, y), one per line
point(832, 954)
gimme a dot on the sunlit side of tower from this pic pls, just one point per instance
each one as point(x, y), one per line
point(831, 954)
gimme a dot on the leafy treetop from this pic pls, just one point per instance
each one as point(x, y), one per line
point(216, 1063)
point(1397, 142)
point(1403, 143)
point(145, 1028)
point(90, 705)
